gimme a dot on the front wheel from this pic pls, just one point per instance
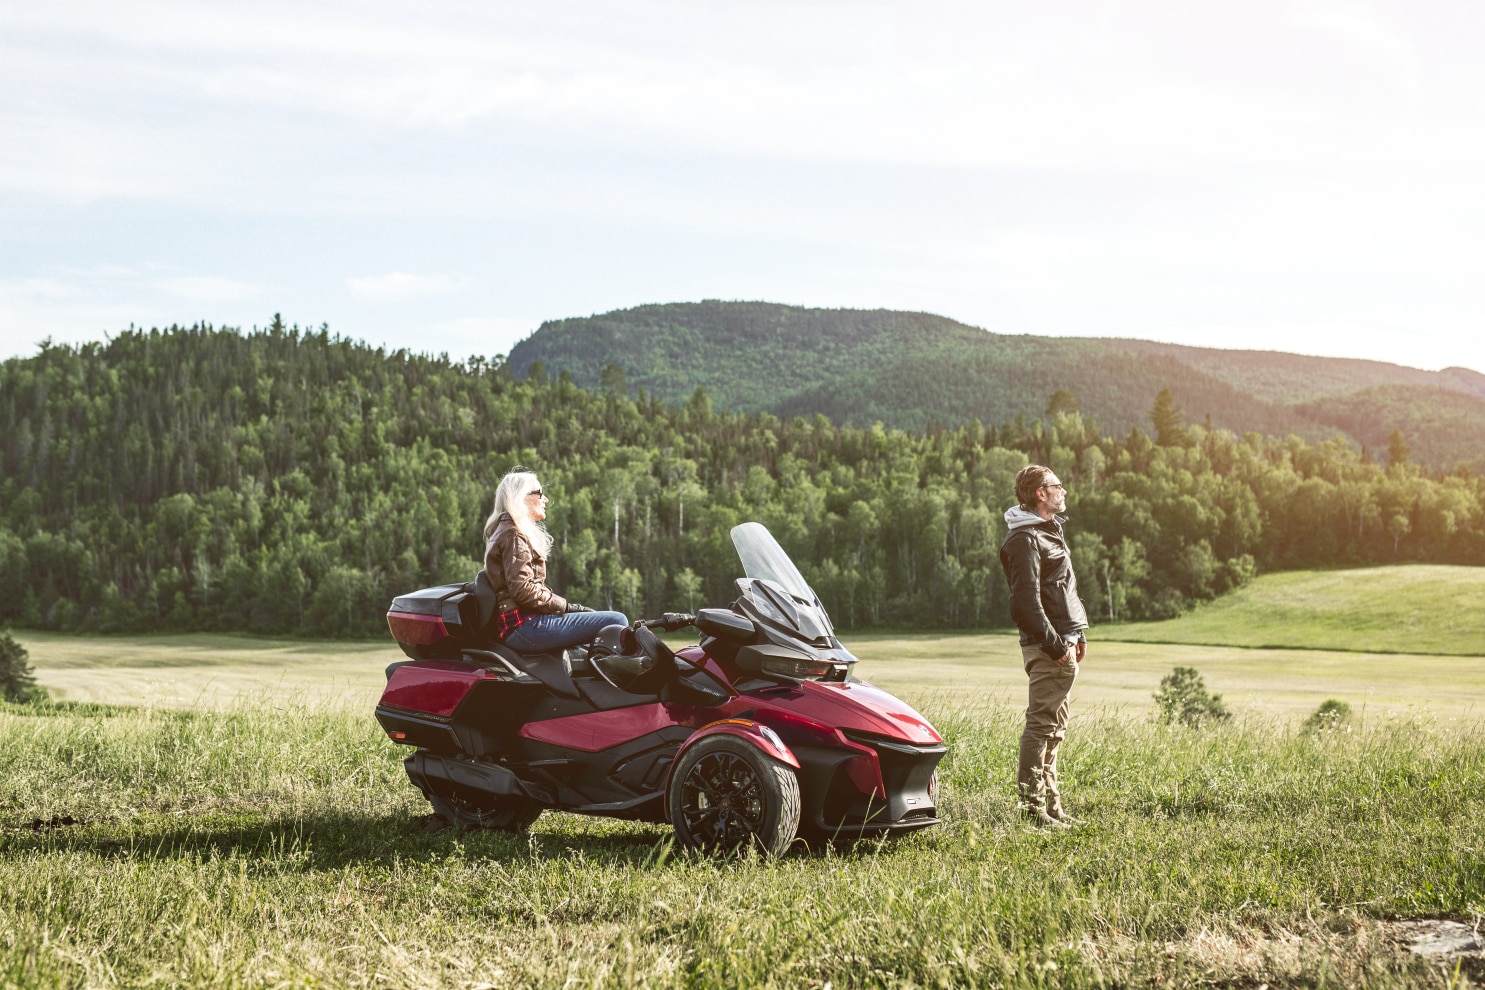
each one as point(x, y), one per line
point(727, 795)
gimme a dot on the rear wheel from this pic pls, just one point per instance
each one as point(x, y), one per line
point(726, 795)
point(502, 812)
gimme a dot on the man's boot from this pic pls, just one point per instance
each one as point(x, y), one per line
point(1058, 815)
point(1032, 798)
point(1055, 812)
point(1040, 819)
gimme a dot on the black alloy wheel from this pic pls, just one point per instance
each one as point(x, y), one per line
point(727, 796)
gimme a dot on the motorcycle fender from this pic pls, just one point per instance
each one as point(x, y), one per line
point(755, 733)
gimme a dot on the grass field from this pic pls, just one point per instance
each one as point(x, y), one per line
point(1431, 609)
point(282, 846)
point(201, 671)
point(221, 811)
point(205, 670)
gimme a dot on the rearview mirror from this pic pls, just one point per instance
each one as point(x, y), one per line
point(726, 624)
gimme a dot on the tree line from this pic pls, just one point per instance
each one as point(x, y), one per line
point(292, 482)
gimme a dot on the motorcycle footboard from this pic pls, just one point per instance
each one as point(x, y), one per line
point(434, 774)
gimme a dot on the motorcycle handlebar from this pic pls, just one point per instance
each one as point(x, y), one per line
point(670, 621)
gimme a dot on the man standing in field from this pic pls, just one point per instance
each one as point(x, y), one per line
point(1051, 617)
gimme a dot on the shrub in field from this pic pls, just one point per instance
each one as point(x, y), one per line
point(1183, 697)
point(16, 682)
point(1331, 714)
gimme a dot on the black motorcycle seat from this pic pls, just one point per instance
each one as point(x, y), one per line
point(576, 666)
point(553, 671)
point(484, 599)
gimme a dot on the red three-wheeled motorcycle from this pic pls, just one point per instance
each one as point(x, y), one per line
point(756, 736)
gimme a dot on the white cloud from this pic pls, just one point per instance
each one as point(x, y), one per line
point(1076, 168)
point(203, 288)
point(37, 289)
point(1371, 33)
point(468, 336)
point(64, 311)
point(399, 286)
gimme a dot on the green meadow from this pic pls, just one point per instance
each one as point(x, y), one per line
point(220, 811)
point(1423, 608)
point(280, 845)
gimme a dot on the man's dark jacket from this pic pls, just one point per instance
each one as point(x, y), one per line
point(1044, 592)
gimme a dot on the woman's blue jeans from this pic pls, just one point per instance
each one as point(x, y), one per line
point(555, 633)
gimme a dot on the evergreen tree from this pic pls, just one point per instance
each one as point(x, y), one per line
point(1167, 418)
point(17, 683)
point(1397, 449)
point(1062, 401)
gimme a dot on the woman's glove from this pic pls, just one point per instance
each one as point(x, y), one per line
point(575, 607)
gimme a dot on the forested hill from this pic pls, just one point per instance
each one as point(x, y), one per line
point(913, 370)
point(1281, 377)
point(288, 482)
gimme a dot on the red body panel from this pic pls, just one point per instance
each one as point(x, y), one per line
point(748, 730)
point(858, 707)
point(591, 732)
point(433, 687)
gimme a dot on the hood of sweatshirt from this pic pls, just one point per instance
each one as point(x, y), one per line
point(1016, 518)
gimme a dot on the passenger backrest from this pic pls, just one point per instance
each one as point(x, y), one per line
point(484, 597)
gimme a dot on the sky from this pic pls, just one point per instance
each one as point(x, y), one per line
point(444, 176)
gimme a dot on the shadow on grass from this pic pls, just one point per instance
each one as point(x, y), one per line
point(331, 840)
point(320, 840)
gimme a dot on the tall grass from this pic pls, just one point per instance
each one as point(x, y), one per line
point(276, 847)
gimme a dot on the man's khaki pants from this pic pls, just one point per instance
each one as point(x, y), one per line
point(1046, 724)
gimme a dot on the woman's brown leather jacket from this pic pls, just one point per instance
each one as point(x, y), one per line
point(518, 573)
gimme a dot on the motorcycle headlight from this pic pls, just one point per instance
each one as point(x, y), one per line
point(801, 668)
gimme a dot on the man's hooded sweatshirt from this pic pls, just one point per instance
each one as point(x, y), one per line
point(1044, 592)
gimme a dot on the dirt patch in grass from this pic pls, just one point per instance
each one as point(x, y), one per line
point(1351, 951)
point(1456, 945)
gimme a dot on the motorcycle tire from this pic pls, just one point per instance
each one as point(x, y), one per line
point(727, 796)
point(505, 814)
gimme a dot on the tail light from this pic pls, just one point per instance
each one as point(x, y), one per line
point(414, 629)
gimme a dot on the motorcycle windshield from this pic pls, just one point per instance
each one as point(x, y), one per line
point(765, 561)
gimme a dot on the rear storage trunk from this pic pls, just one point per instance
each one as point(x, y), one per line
point(433, 624)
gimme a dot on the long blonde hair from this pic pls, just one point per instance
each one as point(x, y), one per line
point(510, 500)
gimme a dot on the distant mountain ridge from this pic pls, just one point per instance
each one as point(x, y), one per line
point(1282, 377)
point(914, 370)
